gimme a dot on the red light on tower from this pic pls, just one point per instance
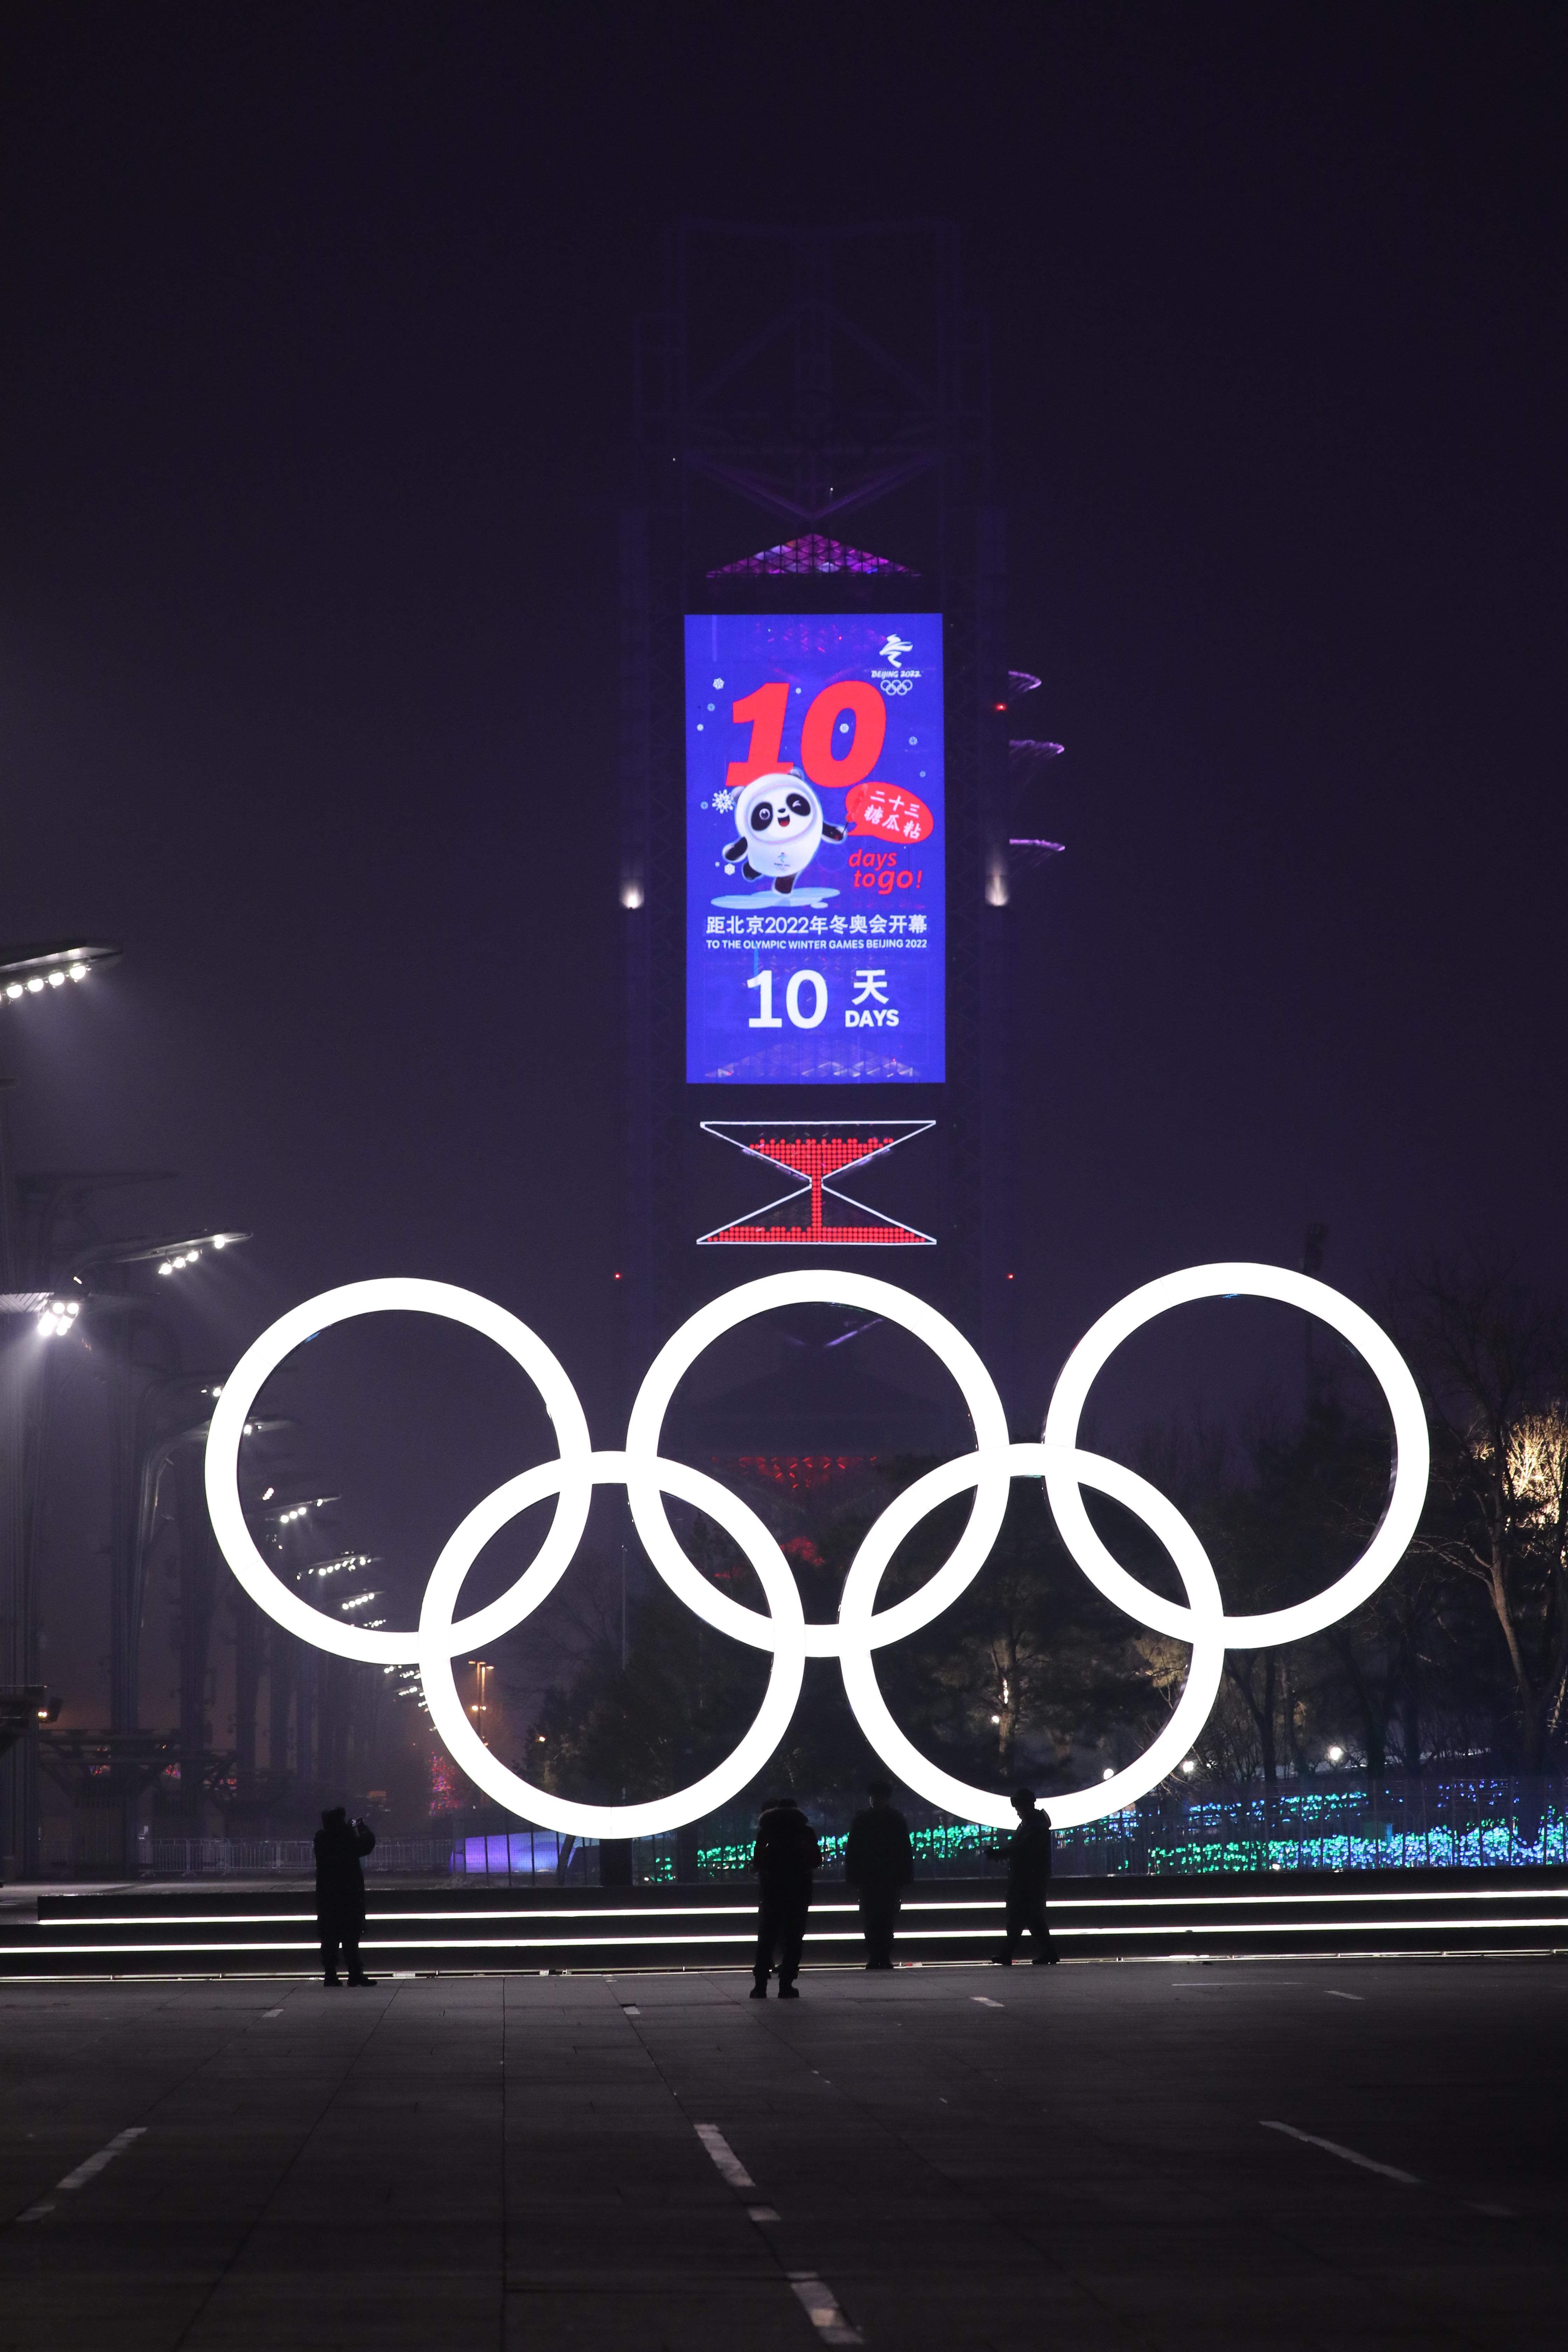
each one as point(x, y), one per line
point(816, 1151)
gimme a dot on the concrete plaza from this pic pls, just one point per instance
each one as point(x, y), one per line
point(1275, 2154)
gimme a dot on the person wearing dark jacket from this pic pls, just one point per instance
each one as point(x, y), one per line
point(1029, 1852)
point(341, 1847)
point(784, 1855)
point(878, 1863)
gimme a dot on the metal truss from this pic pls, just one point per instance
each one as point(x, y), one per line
point(790, 378)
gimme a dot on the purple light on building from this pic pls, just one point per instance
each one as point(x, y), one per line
point(812, 553)
point(517, 1854)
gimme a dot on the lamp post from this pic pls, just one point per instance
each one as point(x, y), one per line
point(120, 1316)
point(91, 1303)
point(39, 970)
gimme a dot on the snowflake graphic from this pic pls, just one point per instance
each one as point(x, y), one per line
point(723, 802)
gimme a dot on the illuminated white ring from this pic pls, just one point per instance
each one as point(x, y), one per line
point(1206, 1618)
point(1407, 1487)
point(439, 1638)
point(859, 1631)
point(391, 1294)
point(815, 1288)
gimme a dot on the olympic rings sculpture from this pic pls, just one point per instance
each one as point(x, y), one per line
point(861, 1629)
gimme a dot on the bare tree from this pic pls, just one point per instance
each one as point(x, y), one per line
point(1493, 1354)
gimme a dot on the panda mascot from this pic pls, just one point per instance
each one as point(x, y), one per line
point(782, 829)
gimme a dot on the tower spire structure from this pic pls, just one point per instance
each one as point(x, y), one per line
point(812, 436)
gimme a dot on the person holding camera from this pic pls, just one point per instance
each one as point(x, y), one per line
point(341, 1848)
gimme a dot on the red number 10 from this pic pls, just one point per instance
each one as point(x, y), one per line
point(764, 712)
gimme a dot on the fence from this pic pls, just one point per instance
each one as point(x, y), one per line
point(1452, 1822)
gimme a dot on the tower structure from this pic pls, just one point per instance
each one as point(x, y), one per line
point(815, 554)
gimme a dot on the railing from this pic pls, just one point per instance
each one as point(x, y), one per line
point(1453, 1823)
point(284, 1857)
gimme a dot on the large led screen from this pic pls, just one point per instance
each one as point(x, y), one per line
point(814, 852)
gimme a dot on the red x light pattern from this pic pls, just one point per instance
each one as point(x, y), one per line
point(817, 1153)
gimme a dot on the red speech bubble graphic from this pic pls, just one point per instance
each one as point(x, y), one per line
point(888, 813)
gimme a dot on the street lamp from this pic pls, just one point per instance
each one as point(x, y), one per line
point(482, 1709)
point(170, 1253)
point(56, 1312)
point(49, 963)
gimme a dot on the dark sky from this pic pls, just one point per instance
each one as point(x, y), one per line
point(316, 395)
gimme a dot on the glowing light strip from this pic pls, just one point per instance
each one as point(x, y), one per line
point(1065, 1467)
point(836, 1935)
point(1057, 1904)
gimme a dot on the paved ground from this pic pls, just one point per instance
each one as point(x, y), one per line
point(953, 2158)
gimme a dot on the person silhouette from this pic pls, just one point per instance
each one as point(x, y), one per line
point(878, 1863)
point(341, 1846)
point(1029, 1852)
point(783, 1857)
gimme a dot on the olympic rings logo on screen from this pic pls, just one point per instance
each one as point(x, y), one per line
point(861, 1629)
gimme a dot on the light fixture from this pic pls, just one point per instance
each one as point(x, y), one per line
point(1190, 1764)
point(1336, 1755)
point(172, 1253)
point(995, 1719)
point(1108, 1773)
point(56, 1317)
point(28, 971)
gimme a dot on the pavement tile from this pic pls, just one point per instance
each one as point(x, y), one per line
point(514, 2161)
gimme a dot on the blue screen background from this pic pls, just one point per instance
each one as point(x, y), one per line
point(848, 967)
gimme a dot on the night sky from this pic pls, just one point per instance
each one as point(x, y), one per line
point(316, 415)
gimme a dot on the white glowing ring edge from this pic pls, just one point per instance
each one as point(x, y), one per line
point(391, 1294)
point(1080, 1805)
point(885, 1299)
point(1407, 1487)
point(437, 1642)
point(859, 1631)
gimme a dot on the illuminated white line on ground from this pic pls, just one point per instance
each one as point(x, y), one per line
point(630, 2008)
point(272, 2013)
point(387, 1918)
point(1558, 1925)
point(724, 2156)
point(88, 2170)
point(1344, 1895)
point(768, 2213)
point(821, 2305)
point(985, 2001)
point(1346, 2154)
point(1335, 1994)
point(1059, 1906)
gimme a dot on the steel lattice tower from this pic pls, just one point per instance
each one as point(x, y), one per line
point(794, 384)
